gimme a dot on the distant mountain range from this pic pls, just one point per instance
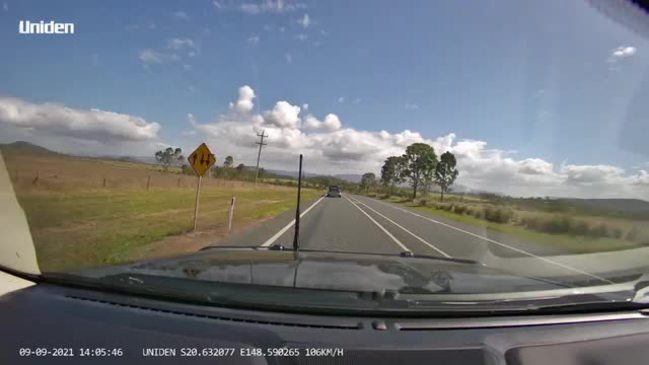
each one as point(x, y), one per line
point(26, 148)
point(354, 178)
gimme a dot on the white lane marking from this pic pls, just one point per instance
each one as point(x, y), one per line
point(286, 228)
point(403, 228)
point(567, 267)
point(380, 226)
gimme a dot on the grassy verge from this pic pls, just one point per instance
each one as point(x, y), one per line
point(84, 229)
point(565, 242)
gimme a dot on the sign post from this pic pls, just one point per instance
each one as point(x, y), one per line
point(198, 192)
point(200, 160)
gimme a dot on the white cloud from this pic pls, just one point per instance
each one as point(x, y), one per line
point(179, 44)
point(357, 101)
point(172, 51)
point(180, 15)
point(330, 147)
point(330, 123)
point(5, 6)
point(534, 166)
point(244, 103)
point(86, 124)
point(270, 6)
point(304, 21)
point(289, 58)
point(253, 40)
point(302, 37)
point(411, 106)
point(591, 174)
point(341, 99)
point(283, 115)
point(622, 52)
point(305, 106)
point(282, 29)
point(251, 8)
point(151, 56)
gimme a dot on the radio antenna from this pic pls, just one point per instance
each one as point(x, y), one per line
point(296, 235)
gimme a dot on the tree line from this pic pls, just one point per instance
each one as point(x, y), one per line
point(173, 157)
point(419, 166)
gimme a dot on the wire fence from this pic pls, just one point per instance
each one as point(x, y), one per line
point(52, 180)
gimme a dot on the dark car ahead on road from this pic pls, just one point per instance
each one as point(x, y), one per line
point(334, 192)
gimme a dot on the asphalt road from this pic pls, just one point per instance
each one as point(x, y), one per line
point(361, 224)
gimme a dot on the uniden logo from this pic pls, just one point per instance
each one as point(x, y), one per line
point(51, 27)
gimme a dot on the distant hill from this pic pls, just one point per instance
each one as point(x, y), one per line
point(288, 173)
point(26, 148)
point(353, 178)
point(120, 159)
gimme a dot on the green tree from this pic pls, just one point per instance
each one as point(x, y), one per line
point(187, 170)
point(420, 161)
point(391, 173)
point(228, 162)
point(445, 172)
point(169, 156)
point(368, 181)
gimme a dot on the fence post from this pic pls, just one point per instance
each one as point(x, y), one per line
point(231, 213)
point(103, 183)
point(148, 183)
point(38, 175)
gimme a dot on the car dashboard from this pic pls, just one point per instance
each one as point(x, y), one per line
point(54, 324)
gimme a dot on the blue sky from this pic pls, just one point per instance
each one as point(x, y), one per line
point(554, 81)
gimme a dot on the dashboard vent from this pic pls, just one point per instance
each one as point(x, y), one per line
point(342, 325)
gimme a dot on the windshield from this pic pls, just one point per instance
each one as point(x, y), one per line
point(482, 152)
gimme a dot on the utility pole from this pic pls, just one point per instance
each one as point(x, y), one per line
point(261, 144)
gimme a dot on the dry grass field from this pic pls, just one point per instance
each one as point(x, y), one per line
point(575, 232)
point(86, 212)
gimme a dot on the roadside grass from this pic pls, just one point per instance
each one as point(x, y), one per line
point(570, 243)
point(85, 212)
point(73, 231)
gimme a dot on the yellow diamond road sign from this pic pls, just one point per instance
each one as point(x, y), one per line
point(201, 159)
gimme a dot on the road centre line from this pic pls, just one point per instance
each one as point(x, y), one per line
point(380, 226)
point(545, 259)
point(279, 233)
point(403, 228)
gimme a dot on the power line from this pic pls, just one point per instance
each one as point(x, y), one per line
point(261, 143)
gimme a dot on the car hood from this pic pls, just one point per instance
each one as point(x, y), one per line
point(336, 271)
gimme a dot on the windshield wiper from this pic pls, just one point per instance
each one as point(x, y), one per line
point(411, 254)
point(405, 254)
